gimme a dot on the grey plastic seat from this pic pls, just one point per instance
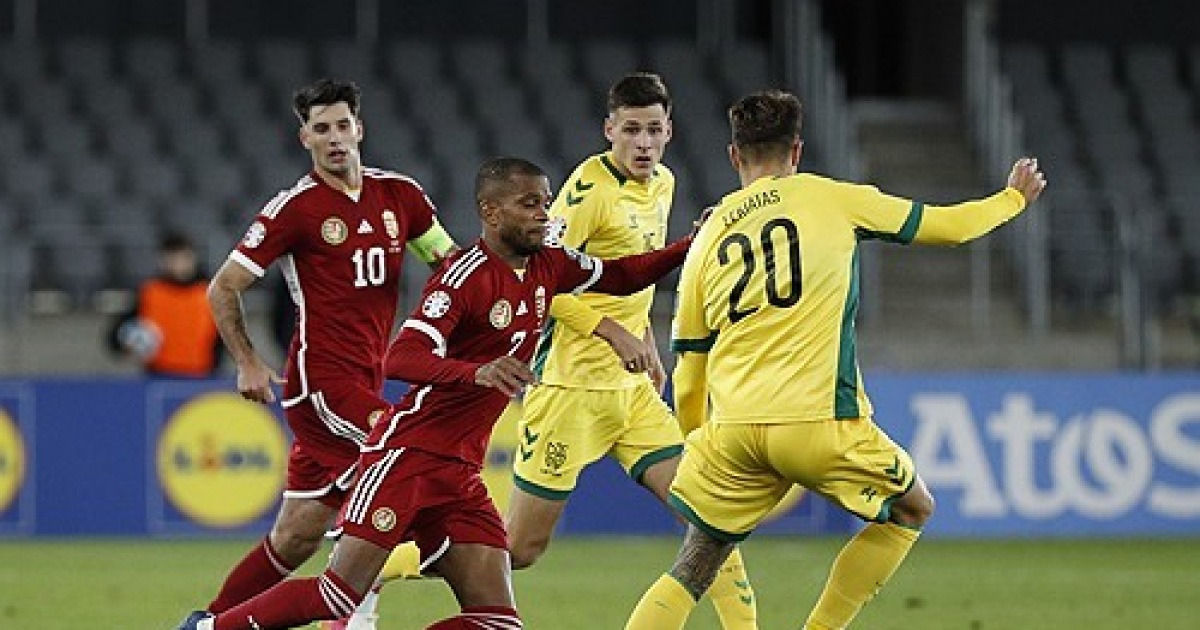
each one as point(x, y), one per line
point(219, 182)
point(744, 69)
point(44, 101)
point(483, 63)
point(605, 61)
point(218, 63)
point(346, 59)
point(548, 64)
point(416, 63)
point(24, 64)
point(282, 65)
point(57, 217)
point(30, 179)
point(95, 180)
point(85, 60)
point(160, 179)
point(674, 58)
point(108, 103)
point(389, 138)
point(150, 61)
point(195, 141)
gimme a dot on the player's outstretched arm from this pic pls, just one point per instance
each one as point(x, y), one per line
point(688, 386)
point(630, 274)
point(967, 221)
point(225, 299)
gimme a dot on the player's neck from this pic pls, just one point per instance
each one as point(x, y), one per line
point(348, 182)
point(750, 173)
point(504, 252)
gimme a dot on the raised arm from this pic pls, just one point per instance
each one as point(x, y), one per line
point(967, 221)
point(630, 274)
point(225, 299)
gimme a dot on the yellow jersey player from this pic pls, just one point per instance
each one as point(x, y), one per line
point(765, 322)
point(595, 399)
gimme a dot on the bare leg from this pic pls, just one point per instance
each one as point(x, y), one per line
point(530, 523)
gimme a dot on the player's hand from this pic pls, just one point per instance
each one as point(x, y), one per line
point(254, 381)
point(658, 375)
point(1027, 178)
point(507, 374)
point(634, 354)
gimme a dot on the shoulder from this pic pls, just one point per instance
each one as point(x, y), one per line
point(664, 172)
point(461, 269)
point(290, 200)
point(391, 178)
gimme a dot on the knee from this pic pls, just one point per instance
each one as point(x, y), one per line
point(525, 552)
point(915, 509)
point(294, 545)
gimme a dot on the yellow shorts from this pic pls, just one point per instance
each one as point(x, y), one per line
point(732, 475)
point(563, 430)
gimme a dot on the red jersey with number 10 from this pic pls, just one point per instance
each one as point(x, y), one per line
point(341, 258)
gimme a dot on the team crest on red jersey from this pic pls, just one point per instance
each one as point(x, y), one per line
point(383, 519)
point(334, 231)
point(501, 314)
point(539, 302)
point(391, 224)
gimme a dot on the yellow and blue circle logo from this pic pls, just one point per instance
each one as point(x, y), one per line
point(222, 459)
point(12, 461)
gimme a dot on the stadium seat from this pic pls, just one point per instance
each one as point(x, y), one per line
point(149, 60)
point(85, 61)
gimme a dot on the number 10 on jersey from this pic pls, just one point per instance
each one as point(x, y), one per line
point(370, 267)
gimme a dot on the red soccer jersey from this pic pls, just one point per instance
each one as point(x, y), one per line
point(341, 259)
point(477, 309)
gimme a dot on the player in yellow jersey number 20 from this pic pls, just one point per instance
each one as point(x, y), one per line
point(765, 325)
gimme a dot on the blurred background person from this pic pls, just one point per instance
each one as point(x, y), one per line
point(169, 328)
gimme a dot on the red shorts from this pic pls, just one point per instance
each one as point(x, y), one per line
point(329, 426)
point(408, 494)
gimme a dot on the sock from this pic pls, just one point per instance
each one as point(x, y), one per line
point(366, 610)
point(665, 606)
point(293, 603)
point(261, 569)
point(405, 562)
point(862, 568)
point(476, 617)
point(732, 596)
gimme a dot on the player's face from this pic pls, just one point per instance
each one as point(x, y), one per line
point(639, 136)
point(520, 214)
point(332, 135)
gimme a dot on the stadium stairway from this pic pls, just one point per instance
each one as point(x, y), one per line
point(918, 313)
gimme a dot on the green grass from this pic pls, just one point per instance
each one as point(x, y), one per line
point(593, 583)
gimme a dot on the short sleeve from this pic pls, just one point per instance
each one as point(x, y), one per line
point(575, 214)
point(421, 214)
point(877, 215)
point(275, 231)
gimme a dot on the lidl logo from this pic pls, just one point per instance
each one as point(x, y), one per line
point(497, 467)
point(12, 461)
point(221, 460)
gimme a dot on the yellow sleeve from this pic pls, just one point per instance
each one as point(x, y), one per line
point(571, 312)
point(690, 390)
point(433, 245)
point(967, 221)
point(881, 216)
point(576, 214)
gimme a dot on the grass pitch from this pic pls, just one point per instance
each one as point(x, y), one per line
point(593, 583)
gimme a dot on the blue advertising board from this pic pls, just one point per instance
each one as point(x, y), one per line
point(1004, 455)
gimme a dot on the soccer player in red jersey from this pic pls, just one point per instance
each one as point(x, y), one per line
point(465, 350)
point(339, 234)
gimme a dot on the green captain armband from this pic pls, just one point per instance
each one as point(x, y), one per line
point(433, 245)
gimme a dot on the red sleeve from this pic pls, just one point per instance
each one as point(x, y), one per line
point(274, 232)
point(620, 276)
point(419, 353)
point(419, 208)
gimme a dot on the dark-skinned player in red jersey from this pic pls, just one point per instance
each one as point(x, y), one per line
point(465, 351)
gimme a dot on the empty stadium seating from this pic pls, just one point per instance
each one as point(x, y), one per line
point(112, 141)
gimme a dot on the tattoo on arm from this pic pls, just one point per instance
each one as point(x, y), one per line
point(230, 319)
point(699, 560)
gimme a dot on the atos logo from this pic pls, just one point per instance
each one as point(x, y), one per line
point(221, 460)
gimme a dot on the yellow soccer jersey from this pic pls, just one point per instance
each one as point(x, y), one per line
point(601, 212)
point(770, 291)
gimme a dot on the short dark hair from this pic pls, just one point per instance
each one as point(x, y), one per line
point(325, 92)
point(175, 242)
point(498, 171)
point(639, 89)
point(765, 123)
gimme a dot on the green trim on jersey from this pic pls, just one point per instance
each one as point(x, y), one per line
point(612, 168)
point(539, 491)
point(845, 392)
point(694, 345)
point(907, 232)
point(686, 512)
point(638, 470)
point(543, 348)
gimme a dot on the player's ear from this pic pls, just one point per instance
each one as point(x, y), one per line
point(669, 129)
point(609, 126)
point(361, 129)
point(797, 150)
point(734, 157)
point(302, 134)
